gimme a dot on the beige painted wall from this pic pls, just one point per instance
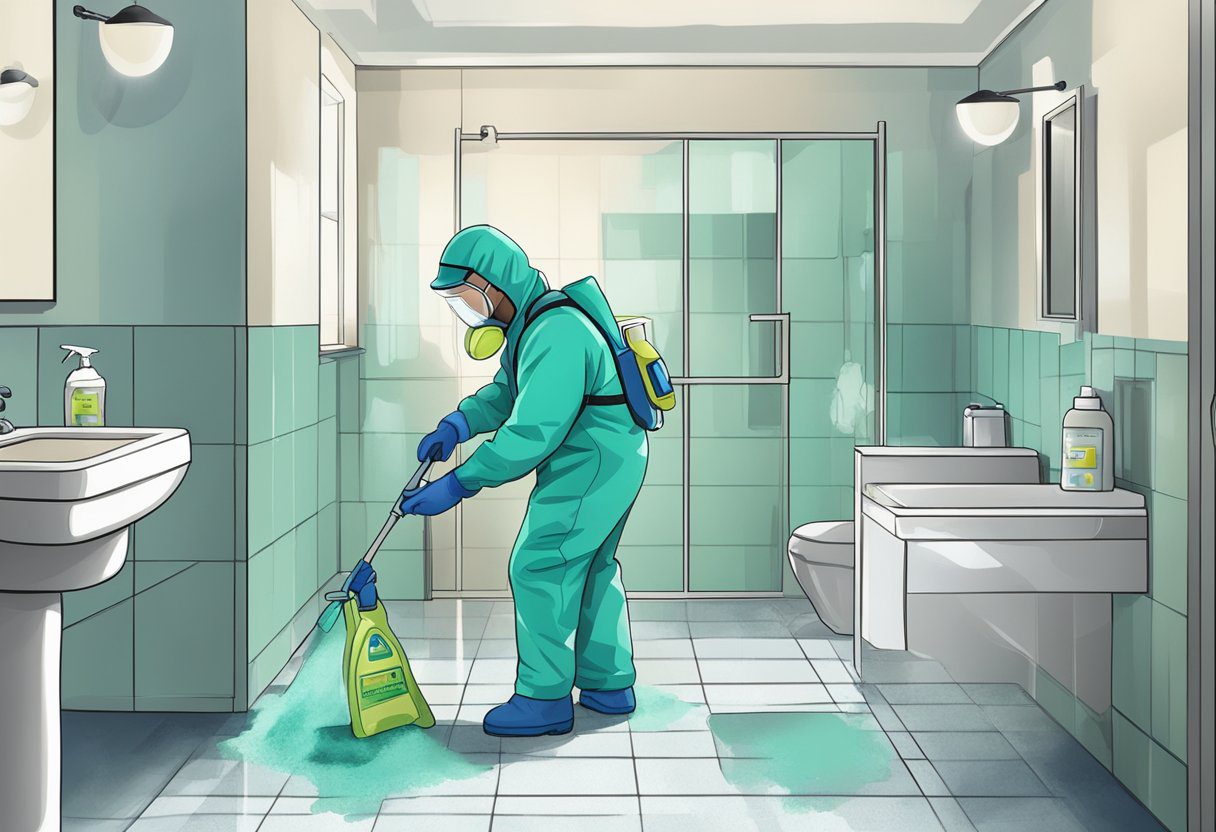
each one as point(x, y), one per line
point(27, 154)
point(1133, 64)
point(284, 55)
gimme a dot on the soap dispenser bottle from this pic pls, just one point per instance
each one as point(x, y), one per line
point(84, 393)
point(1089, 438)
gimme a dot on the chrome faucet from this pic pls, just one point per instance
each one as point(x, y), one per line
point(5, 425)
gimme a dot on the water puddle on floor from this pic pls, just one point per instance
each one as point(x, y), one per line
point(831, 754)
point(305, 731)
point(659, 710)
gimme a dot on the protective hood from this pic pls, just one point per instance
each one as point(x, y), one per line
point(499, 259)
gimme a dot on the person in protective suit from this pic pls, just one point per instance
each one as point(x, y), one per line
point(555, 407)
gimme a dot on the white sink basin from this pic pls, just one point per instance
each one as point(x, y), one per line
point(68, 497)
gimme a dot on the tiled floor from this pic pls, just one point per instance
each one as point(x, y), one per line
point(748, 719)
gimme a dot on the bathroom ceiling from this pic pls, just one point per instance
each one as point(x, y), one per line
point(667, 32)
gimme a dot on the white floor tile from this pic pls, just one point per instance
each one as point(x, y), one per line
point(663, 648)
point(543, 823)
point(565, 776)
point(187, 823)
point(667, 672)
point(439, 805)
point(682, 777)
point(431, 823)
point(746, 648)
point(591, 744)
point(166, 806)
point(674, 744)
point(576, 806)
point(738, 629)
point(832, 672)
point(834, 814)
point(497, 648)
point(761, 695)
point(488, 694)
point(213, 775)
point(493, 672)
point(442, 694)
point(845, 693)
point(441, 671)
point(643, 630)
point(757, 671)
point(818, 648)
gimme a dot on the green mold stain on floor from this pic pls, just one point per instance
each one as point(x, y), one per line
point(802, 753)
point(658, 710)
point(306, 731)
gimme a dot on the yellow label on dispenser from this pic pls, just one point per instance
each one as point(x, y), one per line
point(381, 687)
point(86, 409)
point(1082, 458)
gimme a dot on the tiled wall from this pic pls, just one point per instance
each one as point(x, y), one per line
point(293, 514)
point(928, 383)
point(1143, 383)
point(161, 634)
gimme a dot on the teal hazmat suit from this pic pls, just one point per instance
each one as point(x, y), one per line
point(571, 620)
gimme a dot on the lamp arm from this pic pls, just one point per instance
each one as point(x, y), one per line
point(85, 14)
point(1058, 85)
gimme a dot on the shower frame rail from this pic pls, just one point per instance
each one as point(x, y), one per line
point(878, 137)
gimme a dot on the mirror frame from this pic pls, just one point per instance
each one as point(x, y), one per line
point(1071, 100)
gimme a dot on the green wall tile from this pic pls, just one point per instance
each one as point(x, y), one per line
point(1168, 793)
point(810, 504)
point(113, 362)
point(813, 290)
point(737, 461)
point(1155, 345)
point(307, 577)
point(327, 541)
point(1132, 759)
point(197, 521)
point(1072, 358)
point(811, 198)
point(149, 573)
point(327, 461)
point(261, 619)
point(305, 345)
point(817, 349)
point(895, 357)
point(728, 516)
point(1170, 446)
point(1131, 652)
point(350, 466)
point(98, 661)
point(349, 395)
point(649, 568)
point(283, 380)
point(389, 406)
point(656, 518)
point(717, 568)
point(924, 419)
point(1094, 731)
point(1146, 364)
point(184, 377)
point(283, 497)
point(283, 600)
point(327, 390)
point(983, 359)
point(1049, 354)
point(963, 358)
point(1168, 550)
point(83, 603)
point(184, 635)
point(260, 509)
point(260, 383)
point(1169, 679)
point(19, 372)
point(928, 360)
point(1000, 365)
point(1102, 377)
point(305, 467)
point(401, 577)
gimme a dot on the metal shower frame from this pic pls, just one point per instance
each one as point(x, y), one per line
point(879, 139)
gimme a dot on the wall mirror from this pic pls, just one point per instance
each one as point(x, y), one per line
point(1060, 264)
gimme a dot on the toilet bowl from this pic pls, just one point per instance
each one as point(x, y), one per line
point(822, 557)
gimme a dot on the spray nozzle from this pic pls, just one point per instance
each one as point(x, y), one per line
point(83, 352)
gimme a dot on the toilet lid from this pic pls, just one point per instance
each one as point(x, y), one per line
point(829, 542)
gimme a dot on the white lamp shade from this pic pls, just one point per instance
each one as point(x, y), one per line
point(136, 42)
point(987, 117)
point(16, 96)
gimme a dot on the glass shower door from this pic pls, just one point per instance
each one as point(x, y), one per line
point(612, 209)
point(738, 449)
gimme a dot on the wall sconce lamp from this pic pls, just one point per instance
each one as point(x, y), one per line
point(135, 41)
point(990, 117)
point(16, 95)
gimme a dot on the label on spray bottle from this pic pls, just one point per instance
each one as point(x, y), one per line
point(86, 409)
point(1083, 459)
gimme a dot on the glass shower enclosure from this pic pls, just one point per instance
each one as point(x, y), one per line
point(758, 258)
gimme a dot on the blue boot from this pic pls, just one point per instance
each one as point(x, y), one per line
point(609, 701)
point(522, 716)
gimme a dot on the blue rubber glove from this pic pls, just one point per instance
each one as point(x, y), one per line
point(436, 497)
point(453, 429)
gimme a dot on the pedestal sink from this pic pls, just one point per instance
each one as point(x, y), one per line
point(68, 497)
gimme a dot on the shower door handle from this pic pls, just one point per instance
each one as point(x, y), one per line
point(781, 359)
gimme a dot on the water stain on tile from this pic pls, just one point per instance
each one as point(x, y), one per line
point(305, 731)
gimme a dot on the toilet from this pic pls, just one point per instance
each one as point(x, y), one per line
point(822, 557)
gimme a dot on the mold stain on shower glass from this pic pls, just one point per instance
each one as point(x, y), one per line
point(305, 731)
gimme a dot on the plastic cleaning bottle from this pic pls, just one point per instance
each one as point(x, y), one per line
point(1089, 439)
point(84, 393)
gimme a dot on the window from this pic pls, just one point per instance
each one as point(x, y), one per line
point(337, 328)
